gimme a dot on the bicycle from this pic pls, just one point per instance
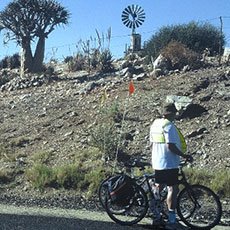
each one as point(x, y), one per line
point(198, 206)
point(127, 170)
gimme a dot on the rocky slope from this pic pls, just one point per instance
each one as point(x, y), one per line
point(54, 115)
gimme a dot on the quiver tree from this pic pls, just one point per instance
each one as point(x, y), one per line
point(27, 21)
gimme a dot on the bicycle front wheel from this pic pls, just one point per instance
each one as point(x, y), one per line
point(131, 213)
point(199, 207)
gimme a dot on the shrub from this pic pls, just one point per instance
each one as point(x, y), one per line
point(178, 55)
point(6, 176)
point(218, 181)
point(76, 63)
point(195, 36)
point(69, 176)
point(41, 157)
point(68, 59)
point(41, 176)
point(6, 154)
point(106, 135)
point(10, 62)
point(105, 60)
point(93, 179)
point(106, 139)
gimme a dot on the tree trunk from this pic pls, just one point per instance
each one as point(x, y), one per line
point(28, 58)
point(39, 55)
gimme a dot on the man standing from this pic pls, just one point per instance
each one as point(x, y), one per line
point(167, 147)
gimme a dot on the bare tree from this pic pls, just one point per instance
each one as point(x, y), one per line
point(28, 20)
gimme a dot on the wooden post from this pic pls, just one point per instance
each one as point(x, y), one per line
point(22, 70)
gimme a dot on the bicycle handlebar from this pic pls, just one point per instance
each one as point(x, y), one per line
point(137, 164)
point(141, 164)
point(185, 161)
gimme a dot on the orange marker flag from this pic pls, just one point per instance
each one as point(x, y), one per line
point(131, 87)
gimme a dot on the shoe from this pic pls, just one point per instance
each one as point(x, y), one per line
point(172, 217)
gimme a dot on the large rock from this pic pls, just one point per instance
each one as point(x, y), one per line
point(181, 102)
point(161, 63)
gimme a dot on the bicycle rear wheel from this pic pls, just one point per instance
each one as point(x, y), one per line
point(131, 213)
point(199, 207)
point(103, 191)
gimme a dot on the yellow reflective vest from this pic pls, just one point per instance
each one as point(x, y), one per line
point(157, 133)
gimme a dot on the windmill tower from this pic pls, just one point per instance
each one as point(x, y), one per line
point(133, 16)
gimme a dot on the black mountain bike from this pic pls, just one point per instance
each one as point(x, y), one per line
point(197, 205)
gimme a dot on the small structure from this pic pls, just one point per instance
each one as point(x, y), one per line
point(133, 16)
point(226, 55)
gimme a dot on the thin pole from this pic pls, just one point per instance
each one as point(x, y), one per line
point(220, 41)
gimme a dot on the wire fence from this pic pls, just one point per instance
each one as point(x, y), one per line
point(118, 43)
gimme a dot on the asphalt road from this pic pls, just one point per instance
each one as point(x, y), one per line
point(24, 218)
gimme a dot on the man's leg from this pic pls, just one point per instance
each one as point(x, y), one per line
point(172, 197)
point(171, 202)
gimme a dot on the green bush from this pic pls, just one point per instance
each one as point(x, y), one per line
point(69, 176)
point(86, 176)
point(106, 134)
point(93, 179)
point(105, 61)
point(178, 55)
point(41, 157)
point(10, 62)
point(6, 176)
point(76, 63)
point(41, 176)
point(195, 36)
point(218, 180)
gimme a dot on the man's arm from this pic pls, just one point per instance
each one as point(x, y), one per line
point(173, 148)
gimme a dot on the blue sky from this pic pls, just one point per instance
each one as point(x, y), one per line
point(87, 16)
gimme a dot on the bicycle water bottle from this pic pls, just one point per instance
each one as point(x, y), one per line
point(155, 190)
point(164, 192)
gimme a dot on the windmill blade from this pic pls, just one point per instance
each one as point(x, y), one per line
point(130, 24)
point(137, 23)
point(141, 18)
point(133, 8)
point(129, 9)
point(142, 14)
point(133, 16)
point(138, 9)
point(126, 22)
point(140, 21)
point(125, 19)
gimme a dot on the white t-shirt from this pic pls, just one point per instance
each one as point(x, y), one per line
point(162, 157)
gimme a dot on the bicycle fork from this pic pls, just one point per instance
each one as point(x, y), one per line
point(192, 196)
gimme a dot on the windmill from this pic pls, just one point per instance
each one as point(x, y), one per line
point(133, 16)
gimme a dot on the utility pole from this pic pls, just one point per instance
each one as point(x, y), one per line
point(220, 41)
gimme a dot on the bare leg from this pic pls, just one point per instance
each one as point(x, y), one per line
point(171, 202)
point(172, 197)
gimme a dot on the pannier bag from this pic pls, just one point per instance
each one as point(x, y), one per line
point(121, 189)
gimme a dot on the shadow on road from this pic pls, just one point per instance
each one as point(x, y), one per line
point(37, 222)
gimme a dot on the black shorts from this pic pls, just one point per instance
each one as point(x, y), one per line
point(167, 176)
